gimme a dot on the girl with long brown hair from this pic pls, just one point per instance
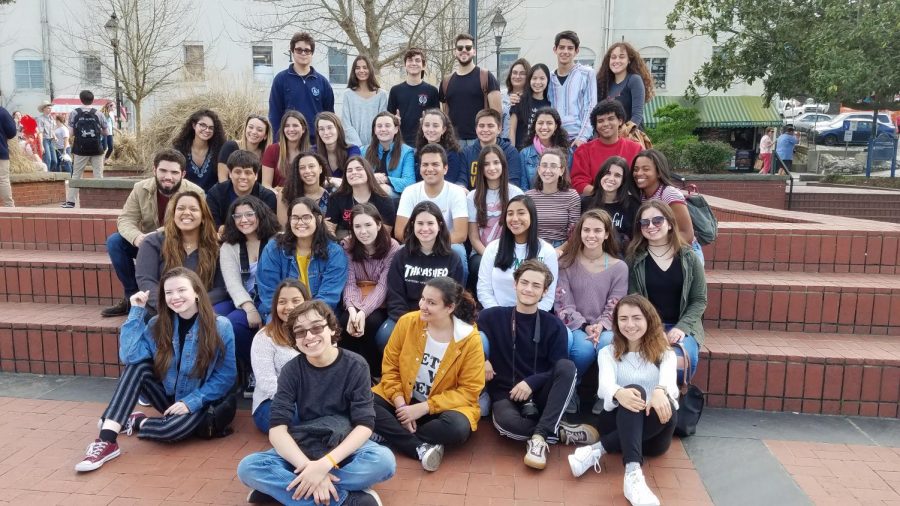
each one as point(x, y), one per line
point(293, 138)
point(182, 360)
point(391, 159)
point(365, 99)
point(255, 138)
point(188, 239)
point(637, 383)
point(199, 140)
point(592, 279)
point(272, 348)
point(308, 176)
point(332, 144)
point(624, 76)
point(357, 186)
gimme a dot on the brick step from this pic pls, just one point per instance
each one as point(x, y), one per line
point(58, 277)
point(56, 229)
point(68, 339)
point(806, 247)
point(807, 372)
point(804, 302)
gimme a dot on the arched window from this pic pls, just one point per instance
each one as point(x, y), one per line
point(586, 56)
point(29, 70)
point(657, 60)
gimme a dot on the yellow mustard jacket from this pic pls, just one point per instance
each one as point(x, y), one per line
point(459, 379)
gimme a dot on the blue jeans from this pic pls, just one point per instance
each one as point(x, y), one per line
point(122, 254)
point(270, 474)
point(243, 334)
point(263, 415)
point(50, 158)
point(460, 251)
point(698, 250)
point(384, 333)
point(693, 349)
point(583, 352)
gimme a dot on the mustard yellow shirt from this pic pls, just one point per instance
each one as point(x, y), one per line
point(303, 267)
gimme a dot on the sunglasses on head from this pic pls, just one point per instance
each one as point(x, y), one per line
point(657, 221)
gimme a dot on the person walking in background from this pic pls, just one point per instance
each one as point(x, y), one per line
point(300, 87)
point(766, 144)
point(87, 127)
point(61, 144)
point(8, 131)
point(364, 99)
point(108, 112)
point(46, 125)
point(784, 148)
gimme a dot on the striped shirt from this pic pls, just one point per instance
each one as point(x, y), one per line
point(370, 269)
point(668, 194)
point(575, 100)
point(557, 213)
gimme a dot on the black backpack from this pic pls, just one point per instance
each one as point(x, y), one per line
point(88, 133)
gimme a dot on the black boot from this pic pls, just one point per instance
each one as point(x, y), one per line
point(120, 309)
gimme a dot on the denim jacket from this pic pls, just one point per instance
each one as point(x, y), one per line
point(403, 175)
point(326, 277)
point(137, 345)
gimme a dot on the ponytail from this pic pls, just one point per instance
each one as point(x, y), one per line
point(453, 293)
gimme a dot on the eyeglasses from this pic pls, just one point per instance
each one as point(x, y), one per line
point(205, 126)
point(657, 221)
point(464, 48)
point(305, 219)
point(314, 330)
point(550, 165)
point(240, 216)
point(302, 50)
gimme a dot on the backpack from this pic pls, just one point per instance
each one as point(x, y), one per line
point(706, 226)
point(88, 138)
point(445, 83)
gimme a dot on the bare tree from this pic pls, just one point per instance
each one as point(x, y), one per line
point(150, 44)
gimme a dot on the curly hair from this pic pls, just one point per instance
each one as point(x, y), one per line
point(267, 223)
point(323, 310)
point(287, 241)
point(636, 65)
point(448, 139)
point(185, 137)
point(560, 137)
point(653, 343)
point(454, 294)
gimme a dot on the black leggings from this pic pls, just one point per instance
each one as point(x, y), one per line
point(635, 434)
point(551, 400)
point(365, 344)
point(139, 379)
point(450, 428)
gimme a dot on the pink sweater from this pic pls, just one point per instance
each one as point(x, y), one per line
point(371, 269)
point(589, 297)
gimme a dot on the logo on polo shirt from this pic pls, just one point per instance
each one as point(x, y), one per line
point(315, 91)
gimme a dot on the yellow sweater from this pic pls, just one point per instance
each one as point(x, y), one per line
point(459, 379)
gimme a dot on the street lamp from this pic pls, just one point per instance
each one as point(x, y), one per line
point(498, 25)
point(112, 30)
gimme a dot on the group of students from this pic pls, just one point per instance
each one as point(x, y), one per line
point(347, 267)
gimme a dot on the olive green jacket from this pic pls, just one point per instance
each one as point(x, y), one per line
point(693, 293)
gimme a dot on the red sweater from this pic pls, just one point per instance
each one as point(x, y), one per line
point(590, 156)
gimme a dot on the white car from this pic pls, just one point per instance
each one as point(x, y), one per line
point(808, 121)
point(791, 111)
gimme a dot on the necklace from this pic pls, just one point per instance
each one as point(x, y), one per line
point(664, 253)
point(604, 256)
point(189, 247)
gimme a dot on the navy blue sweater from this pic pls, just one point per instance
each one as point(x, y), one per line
point(466, 177)
point(309, 94)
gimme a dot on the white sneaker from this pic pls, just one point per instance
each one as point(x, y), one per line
point(583, 459)
point(430, 455)
point(536, 453)
point(636, 490)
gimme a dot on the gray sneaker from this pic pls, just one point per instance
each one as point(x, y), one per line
point(430, 455)
point(578, 434)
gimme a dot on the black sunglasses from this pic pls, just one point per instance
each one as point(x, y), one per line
point(657, 221)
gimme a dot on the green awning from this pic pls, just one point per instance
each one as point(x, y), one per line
point(721, 112)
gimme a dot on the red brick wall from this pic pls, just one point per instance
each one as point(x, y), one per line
point(866, 206)
point(36, 193)
point(103, 198)
point(766, 191)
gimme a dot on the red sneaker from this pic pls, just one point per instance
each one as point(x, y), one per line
point(97, 454)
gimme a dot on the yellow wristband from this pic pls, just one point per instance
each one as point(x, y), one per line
point(333, 462)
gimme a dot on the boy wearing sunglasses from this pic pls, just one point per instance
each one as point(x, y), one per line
point(300, 87)
point(468, 90)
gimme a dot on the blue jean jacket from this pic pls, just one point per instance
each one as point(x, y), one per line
point(136, 344)
point(326, 277)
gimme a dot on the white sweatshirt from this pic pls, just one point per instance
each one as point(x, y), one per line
point(497, 287)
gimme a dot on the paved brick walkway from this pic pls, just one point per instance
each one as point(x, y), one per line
point(41, 440)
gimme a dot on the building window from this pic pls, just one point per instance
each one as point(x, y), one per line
point(586, 56)
point(657, 60)
point(29, 70)
point(194, 65)
point(262, 62)
point(91, 70)
point(337, 66)
point(507, 57)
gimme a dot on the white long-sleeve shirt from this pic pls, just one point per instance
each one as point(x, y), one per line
point(267, 359)
point(634, 370)
point(497, 287)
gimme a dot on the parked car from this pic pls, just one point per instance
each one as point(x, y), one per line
point(793, 111)
point(808, 121)
point(833, 134)
point(866, 116)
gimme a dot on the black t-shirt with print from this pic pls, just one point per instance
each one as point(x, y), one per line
point(411, 101)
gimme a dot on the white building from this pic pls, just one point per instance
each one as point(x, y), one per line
point(37, 60)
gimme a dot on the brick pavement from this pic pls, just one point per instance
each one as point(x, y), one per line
point(41, 440)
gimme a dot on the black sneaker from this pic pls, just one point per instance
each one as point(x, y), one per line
point(120, 309)
point(250, 386)
point(67, 205)
point(257, 497)
point(367, 497)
